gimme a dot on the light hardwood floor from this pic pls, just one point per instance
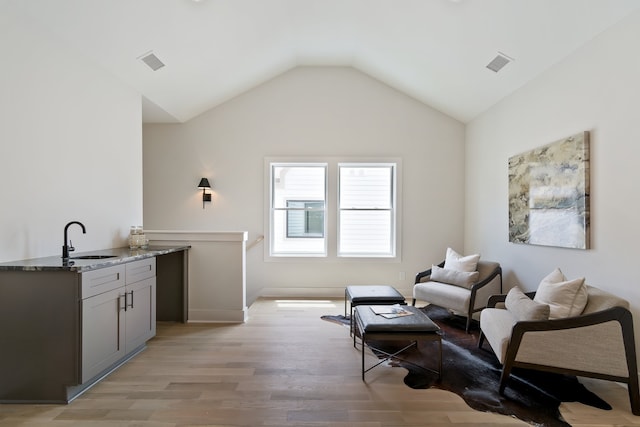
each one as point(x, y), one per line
point(283, 367)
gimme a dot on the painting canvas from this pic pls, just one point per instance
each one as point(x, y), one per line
point(549, 194)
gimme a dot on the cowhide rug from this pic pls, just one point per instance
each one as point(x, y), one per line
point(474, 375)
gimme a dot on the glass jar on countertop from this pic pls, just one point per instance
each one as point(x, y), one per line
point(137, 238)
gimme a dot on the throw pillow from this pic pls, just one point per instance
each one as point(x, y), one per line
point(454, 277)
point(524, 308)
point(566, 298)
point(455, 261)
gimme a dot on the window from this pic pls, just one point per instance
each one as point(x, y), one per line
point(332, 209)
point(366, 210)
point(298, 194)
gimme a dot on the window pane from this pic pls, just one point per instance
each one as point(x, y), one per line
point(297, 183)
point(365, 187)
point(298, 209)
point(367, 218)
point(365, 232)
point(282, 245)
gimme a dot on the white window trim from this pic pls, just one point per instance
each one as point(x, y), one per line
point(331, 210)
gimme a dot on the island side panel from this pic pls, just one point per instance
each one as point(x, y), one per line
point(39, 339)
point(171, 287)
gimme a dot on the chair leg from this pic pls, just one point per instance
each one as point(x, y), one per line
point(413, 303)
point(468, 323)
point(506, 371)
point(632, 364)
point(346, 297)
point(480, 339)
point(634, 398)
point(634, 393)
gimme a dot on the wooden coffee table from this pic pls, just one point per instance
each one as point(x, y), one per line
point(415, 327)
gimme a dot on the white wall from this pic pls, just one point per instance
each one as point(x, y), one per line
point(596, 89)
point(70, 147)
point(309, 111)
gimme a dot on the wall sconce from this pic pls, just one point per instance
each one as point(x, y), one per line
point(206, 197)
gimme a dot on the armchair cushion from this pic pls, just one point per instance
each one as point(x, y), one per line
point(566, 298)
point(454, 277)
point(455, 261)
point(496, 325)
point(524, 308)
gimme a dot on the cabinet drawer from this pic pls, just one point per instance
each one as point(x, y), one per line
point(140, 270)
point(102, 280)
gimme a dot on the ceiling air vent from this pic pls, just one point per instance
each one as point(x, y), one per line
point(499, 62)
point(152, 61)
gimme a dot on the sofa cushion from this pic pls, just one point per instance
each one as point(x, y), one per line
point(454, 277)
point(455, 298)
point(455, 261)
point(524, 308)
point(566, 298)
point(496, 325)
point(601, 300)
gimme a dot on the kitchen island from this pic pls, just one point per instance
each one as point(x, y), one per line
point(65, 324)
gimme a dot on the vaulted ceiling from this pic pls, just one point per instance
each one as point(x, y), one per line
point(213, 50)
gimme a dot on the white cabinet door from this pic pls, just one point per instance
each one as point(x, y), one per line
point(103, 332)
point(140, 314)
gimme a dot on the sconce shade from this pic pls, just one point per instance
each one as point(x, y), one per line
point(204, 183)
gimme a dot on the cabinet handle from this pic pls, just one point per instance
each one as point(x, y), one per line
point(131, 300)
point(120, 307)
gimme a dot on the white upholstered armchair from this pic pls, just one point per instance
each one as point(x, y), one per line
point(596, 342)
point(467, 296)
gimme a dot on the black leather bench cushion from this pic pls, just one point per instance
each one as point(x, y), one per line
point(417, 322)
point(365, 293)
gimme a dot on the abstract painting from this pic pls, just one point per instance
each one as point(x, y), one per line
point(549, 194)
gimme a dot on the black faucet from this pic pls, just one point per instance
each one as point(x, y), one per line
point(69, 248)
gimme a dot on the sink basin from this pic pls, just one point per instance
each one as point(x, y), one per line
point(93, 257)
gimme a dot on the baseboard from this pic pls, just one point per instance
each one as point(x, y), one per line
point(217, 316)
point(302, 293)
point(313, 293)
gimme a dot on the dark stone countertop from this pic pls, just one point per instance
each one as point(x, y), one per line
point(120, 255)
